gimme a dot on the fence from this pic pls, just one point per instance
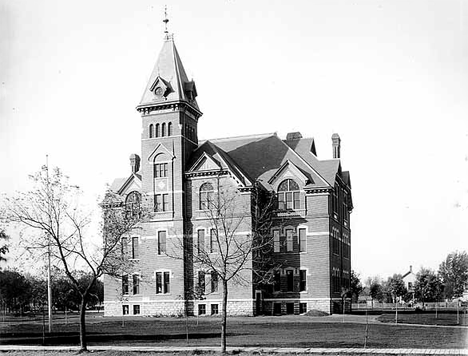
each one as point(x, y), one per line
point(408, 306)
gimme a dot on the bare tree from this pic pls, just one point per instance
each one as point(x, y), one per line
point(239, 246)
point(53, 209)
point(3, 246)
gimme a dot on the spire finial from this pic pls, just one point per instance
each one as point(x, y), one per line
point(166, 20)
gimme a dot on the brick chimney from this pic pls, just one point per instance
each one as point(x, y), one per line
point(293, 136)
point(135, 162)
point(336, 143)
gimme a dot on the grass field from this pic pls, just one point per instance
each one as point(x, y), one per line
point(286, 331)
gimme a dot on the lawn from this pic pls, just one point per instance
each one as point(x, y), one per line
point(287, 331)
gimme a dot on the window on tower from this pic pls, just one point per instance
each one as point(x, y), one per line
point(161, 202)
point(160, 170)
point(169, 129)
point(156, 133)
point(288, 195)
point(151, 131)
point(163, 129)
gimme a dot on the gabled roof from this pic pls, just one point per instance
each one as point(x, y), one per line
point(120, 184)
point(209, 149)
point(169, 74)
point(260, 157)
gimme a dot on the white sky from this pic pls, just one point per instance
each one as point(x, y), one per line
point(391, 77)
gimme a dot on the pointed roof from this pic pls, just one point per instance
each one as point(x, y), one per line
point(168, 81)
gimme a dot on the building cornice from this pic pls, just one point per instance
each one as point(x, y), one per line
point(148, 109)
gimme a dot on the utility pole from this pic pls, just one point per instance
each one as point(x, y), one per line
point(49, 284)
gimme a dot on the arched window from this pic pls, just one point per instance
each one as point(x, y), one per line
point(151, 131)
point(157, 131)
point(206, 196)
point(133, 203)
point(169, 129)
point(288, 195)
point(163, 129)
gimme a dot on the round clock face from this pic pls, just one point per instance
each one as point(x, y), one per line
point(159, 91)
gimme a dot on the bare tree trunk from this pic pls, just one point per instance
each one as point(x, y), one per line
point(83, 345)
point(224, 317)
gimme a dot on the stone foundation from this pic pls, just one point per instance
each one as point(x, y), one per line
point(293, 306)
point(177, 308)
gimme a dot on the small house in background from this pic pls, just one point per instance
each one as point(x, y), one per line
point(410, 279)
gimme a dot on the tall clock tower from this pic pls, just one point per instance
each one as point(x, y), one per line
point(170, 114)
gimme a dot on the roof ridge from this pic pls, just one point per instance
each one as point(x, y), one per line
point(242, 136)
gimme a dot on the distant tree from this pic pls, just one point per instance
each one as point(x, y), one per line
point(355, 286)
point(3, 246)
point(454, 274)
point(375, 289)
point(396, 287)
point(428, 286)
point(53, 210)
point(13, 290)
point(37, 292)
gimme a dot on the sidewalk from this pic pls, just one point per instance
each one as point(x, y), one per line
point(259, 350)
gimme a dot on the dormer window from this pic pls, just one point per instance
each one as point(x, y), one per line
point(133, 203)
point(288, 195)
point(206, 196)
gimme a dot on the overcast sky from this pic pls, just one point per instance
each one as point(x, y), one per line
point(391, 77)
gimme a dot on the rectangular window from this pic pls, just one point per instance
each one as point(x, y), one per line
point(213, 241)
point(289, 201)
point(161, 202)
point(214, 309)
point(124, 246)
point(302, 280)
point(135, 248)
point(201, 309)
point(281, 201)
point(277, 282)
point(201, 241)
point(276, 241)
point(302, 308)
point(289, 240)
point(163, 282)
point(214, 282)
point(302, 240)
point(201, 282)
point(290, 280)
point(136, 284)
point(167, 288)
point(125, 310)
point(159, 283)
point(158, 202)
point(161, 242)
point(297, 202)
point(136, 309)
point(124, 284)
